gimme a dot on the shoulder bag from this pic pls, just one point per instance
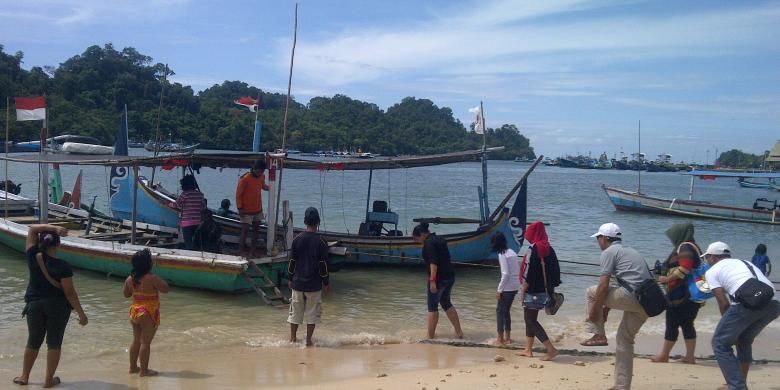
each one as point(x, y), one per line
point(754, 294)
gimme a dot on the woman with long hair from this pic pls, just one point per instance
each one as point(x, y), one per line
point(542, 276)
point(49, 299)
point(145, 288)
point(508, 286)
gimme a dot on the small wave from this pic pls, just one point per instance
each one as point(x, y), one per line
point(364, 339)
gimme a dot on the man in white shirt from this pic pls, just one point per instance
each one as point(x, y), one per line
point(738, 325)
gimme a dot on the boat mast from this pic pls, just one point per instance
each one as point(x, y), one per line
point(485, 208)
point(43, 191)
point(639, 160)
point(159, 117)
point(7, 145)
point(274, 213)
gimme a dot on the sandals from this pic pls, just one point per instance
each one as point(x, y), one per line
point(594, 343)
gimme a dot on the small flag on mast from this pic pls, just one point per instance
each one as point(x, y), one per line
point(30, 109)
point(248, 102)
point(478, 120)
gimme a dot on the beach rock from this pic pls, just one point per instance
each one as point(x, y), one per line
point(493, 375)
point(579, 363)
point(448, 375)
point(516, 367)
point(499, 358)
point(382, 375)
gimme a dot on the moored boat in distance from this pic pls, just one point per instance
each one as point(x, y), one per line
point(632, 201)
point(751, 184)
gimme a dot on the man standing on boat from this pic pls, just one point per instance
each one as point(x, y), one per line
point(630, 268)
point(249, 201)
point(309, 278)
point(738, 287)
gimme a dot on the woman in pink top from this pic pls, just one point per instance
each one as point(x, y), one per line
point(190, 203)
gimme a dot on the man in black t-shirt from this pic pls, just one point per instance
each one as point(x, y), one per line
point(309, 278)
point(441, 278)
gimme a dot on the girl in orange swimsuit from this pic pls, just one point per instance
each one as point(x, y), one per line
point(145, 288)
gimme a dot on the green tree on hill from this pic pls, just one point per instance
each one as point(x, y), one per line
point(87, 92)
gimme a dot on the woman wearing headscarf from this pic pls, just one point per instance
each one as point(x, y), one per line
point(682, 311)
point(542, 262)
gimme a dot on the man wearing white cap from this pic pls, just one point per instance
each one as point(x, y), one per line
point(738, 287)
point(627, 265)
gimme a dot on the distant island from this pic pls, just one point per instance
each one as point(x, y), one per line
point(87, 92)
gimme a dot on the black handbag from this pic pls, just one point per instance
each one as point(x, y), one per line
point(649, 295)
point(754, 294)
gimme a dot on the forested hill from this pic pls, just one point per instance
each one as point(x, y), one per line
point(86, 94)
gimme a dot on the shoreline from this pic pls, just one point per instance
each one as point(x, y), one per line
point(421, 365)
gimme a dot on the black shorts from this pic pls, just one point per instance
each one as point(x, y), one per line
point(47, 318)
point(442, 296)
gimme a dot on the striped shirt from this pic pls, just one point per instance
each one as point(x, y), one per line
point(190, 204)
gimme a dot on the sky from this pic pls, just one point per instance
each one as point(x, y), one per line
point(576, 77)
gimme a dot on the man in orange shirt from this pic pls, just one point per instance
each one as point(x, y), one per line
point(249, 200)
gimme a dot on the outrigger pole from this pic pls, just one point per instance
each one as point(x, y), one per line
point(517, 186)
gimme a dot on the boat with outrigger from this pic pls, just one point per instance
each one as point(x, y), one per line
point(378, 240)
point(763, 211)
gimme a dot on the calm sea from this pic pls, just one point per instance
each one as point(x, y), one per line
point(386, 305)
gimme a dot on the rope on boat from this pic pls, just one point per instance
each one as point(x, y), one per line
point(477, 265)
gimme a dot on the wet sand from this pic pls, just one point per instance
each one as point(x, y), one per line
point(404, 366)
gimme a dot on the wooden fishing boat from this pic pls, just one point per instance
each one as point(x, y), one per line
point(751, 184)
point(763, 210)
point(104, 245)
point(377, 240)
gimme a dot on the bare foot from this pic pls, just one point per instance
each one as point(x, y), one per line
point(525, 353)
point(509, 341)
point(723, 387)
point(688, 361)
point(659, 359)
point(550, 355)
point(499, 342)
point(51, 383)
point(459, 335)
point(148, 372)
point(134, 370)
point(309, 343)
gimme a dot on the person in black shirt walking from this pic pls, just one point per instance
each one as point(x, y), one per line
point(309, 279)
point(441, 278)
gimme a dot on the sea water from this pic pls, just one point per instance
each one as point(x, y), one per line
point(382, 305)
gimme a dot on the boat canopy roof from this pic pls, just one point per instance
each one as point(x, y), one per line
point(246, 159)
point(762, 175)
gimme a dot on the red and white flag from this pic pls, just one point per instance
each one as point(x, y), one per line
point(248, 102)
point(30, 109)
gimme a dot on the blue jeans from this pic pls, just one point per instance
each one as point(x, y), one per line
point(739, 326)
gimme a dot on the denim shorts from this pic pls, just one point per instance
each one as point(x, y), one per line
point(442, 296)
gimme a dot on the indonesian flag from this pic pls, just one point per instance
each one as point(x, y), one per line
point(30, 109)
point(478, 127)
point(248, 102)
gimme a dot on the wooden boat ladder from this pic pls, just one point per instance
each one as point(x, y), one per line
point(266, 288)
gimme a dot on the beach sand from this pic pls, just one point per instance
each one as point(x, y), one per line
point(400, 366)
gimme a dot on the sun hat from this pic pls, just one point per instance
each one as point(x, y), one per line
point(609, 230)
point(717, 248)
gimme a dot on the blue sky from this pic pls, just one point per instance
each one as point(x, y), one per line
point(574, 76)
